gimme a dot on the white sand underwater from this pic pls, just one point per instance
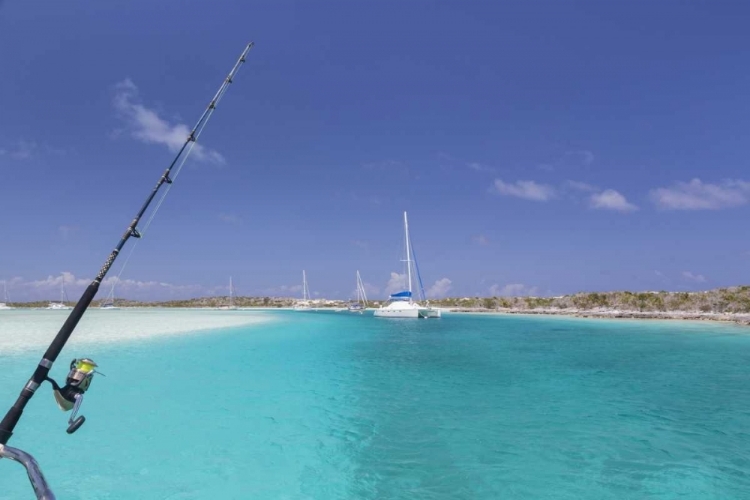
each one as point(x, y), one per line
point(25, 330)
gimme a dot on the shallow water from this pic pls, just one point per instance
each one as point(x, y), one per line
point(334, 405)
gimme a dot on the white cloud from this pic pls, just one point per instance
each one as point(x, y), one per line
point(609, 199)
point(481, 239)
point(698, 278)
point(146, 125)
point(370, 290)
point(65, 230)
point(361, 244)
point(512, 290)
point(581, 186)
point(440, 288)
point(24, 150)
point(396, 283)
point(230, 218)
point(55, 282)
point(697, 195)
point(528, 190)
point(21, 150)
point(50, 287)
point(478, 167)
point(583, 156)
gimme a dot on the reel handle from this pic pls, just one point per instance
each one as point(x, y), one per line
point(75, 423)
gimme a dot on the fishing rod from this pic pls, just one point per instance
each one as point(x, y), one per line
point(70, 396)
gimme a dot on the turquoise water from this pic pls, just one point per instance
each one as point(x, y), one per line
point(340, 406)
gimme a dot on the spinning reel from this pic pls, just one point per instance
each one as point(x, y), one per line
point(70, 396)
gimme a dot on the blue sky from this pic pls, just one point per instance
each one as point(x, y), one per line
point(539, 147)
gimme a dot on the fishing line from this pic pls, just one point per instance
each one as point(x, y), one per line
point(195, 134)
point(82, 370)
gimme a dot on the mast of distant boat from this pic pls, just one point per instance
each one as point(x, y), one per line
point(109, 301)
point(62, 291)
point(5, 304)
point(231, 297)
point(408, 254)
point(361, 296)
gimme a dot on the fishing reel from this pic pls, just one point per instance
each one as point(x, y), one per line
point(70, 396)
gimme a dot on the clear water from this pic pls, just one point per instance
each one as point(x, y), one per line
point(341, 406)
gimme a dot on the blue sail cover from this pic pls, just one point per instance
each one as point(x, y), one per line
point(405, 295)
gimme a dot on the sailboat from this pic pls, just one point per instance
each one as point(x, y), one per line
point(361, 303)
point(402, 304)
point(60, 306)
point(231, 305)
point(6, 300)
point(109, 302)
point(304, 304)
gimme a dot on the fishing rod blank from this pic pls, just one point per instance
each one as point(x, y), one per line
point(82, 370)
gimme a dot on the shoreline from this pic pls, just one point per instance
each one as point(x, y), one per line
point(742, 319)
point(737, 318)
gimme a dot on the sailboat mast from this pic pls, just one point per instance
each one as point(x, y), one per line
point(62, 290)
point(304, 285)
point(361, 290)
point(408, 252)
point(231, 297)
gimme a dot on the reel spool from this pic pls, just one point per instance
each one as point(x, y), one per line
point(70, 396)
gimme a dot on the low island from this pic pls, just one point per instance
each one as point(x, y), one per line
point(722, 304)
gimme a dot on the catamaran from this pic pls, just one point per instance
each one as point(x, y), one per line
point(361, 303)
point(60, 306)
point(6, 300)
point(231, 305)
point(402, 304)
point(304, 304)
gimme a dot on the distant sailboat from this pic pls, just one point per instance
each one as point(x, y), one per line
point(4, 306)
point(109, 302)
point(361, 303)
point(304, 304)
point(60, 306)
point(231, 297)
point(401, 304)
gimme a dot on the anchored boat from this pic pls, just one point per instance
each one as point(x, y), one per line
point(361, 304)
point(304, 304)
point(402, 304)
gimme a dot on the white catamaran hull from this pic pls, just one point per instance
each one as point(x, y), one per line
point(429, 312)
point(416, 313)
point(406, 310)
point(402, 313)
